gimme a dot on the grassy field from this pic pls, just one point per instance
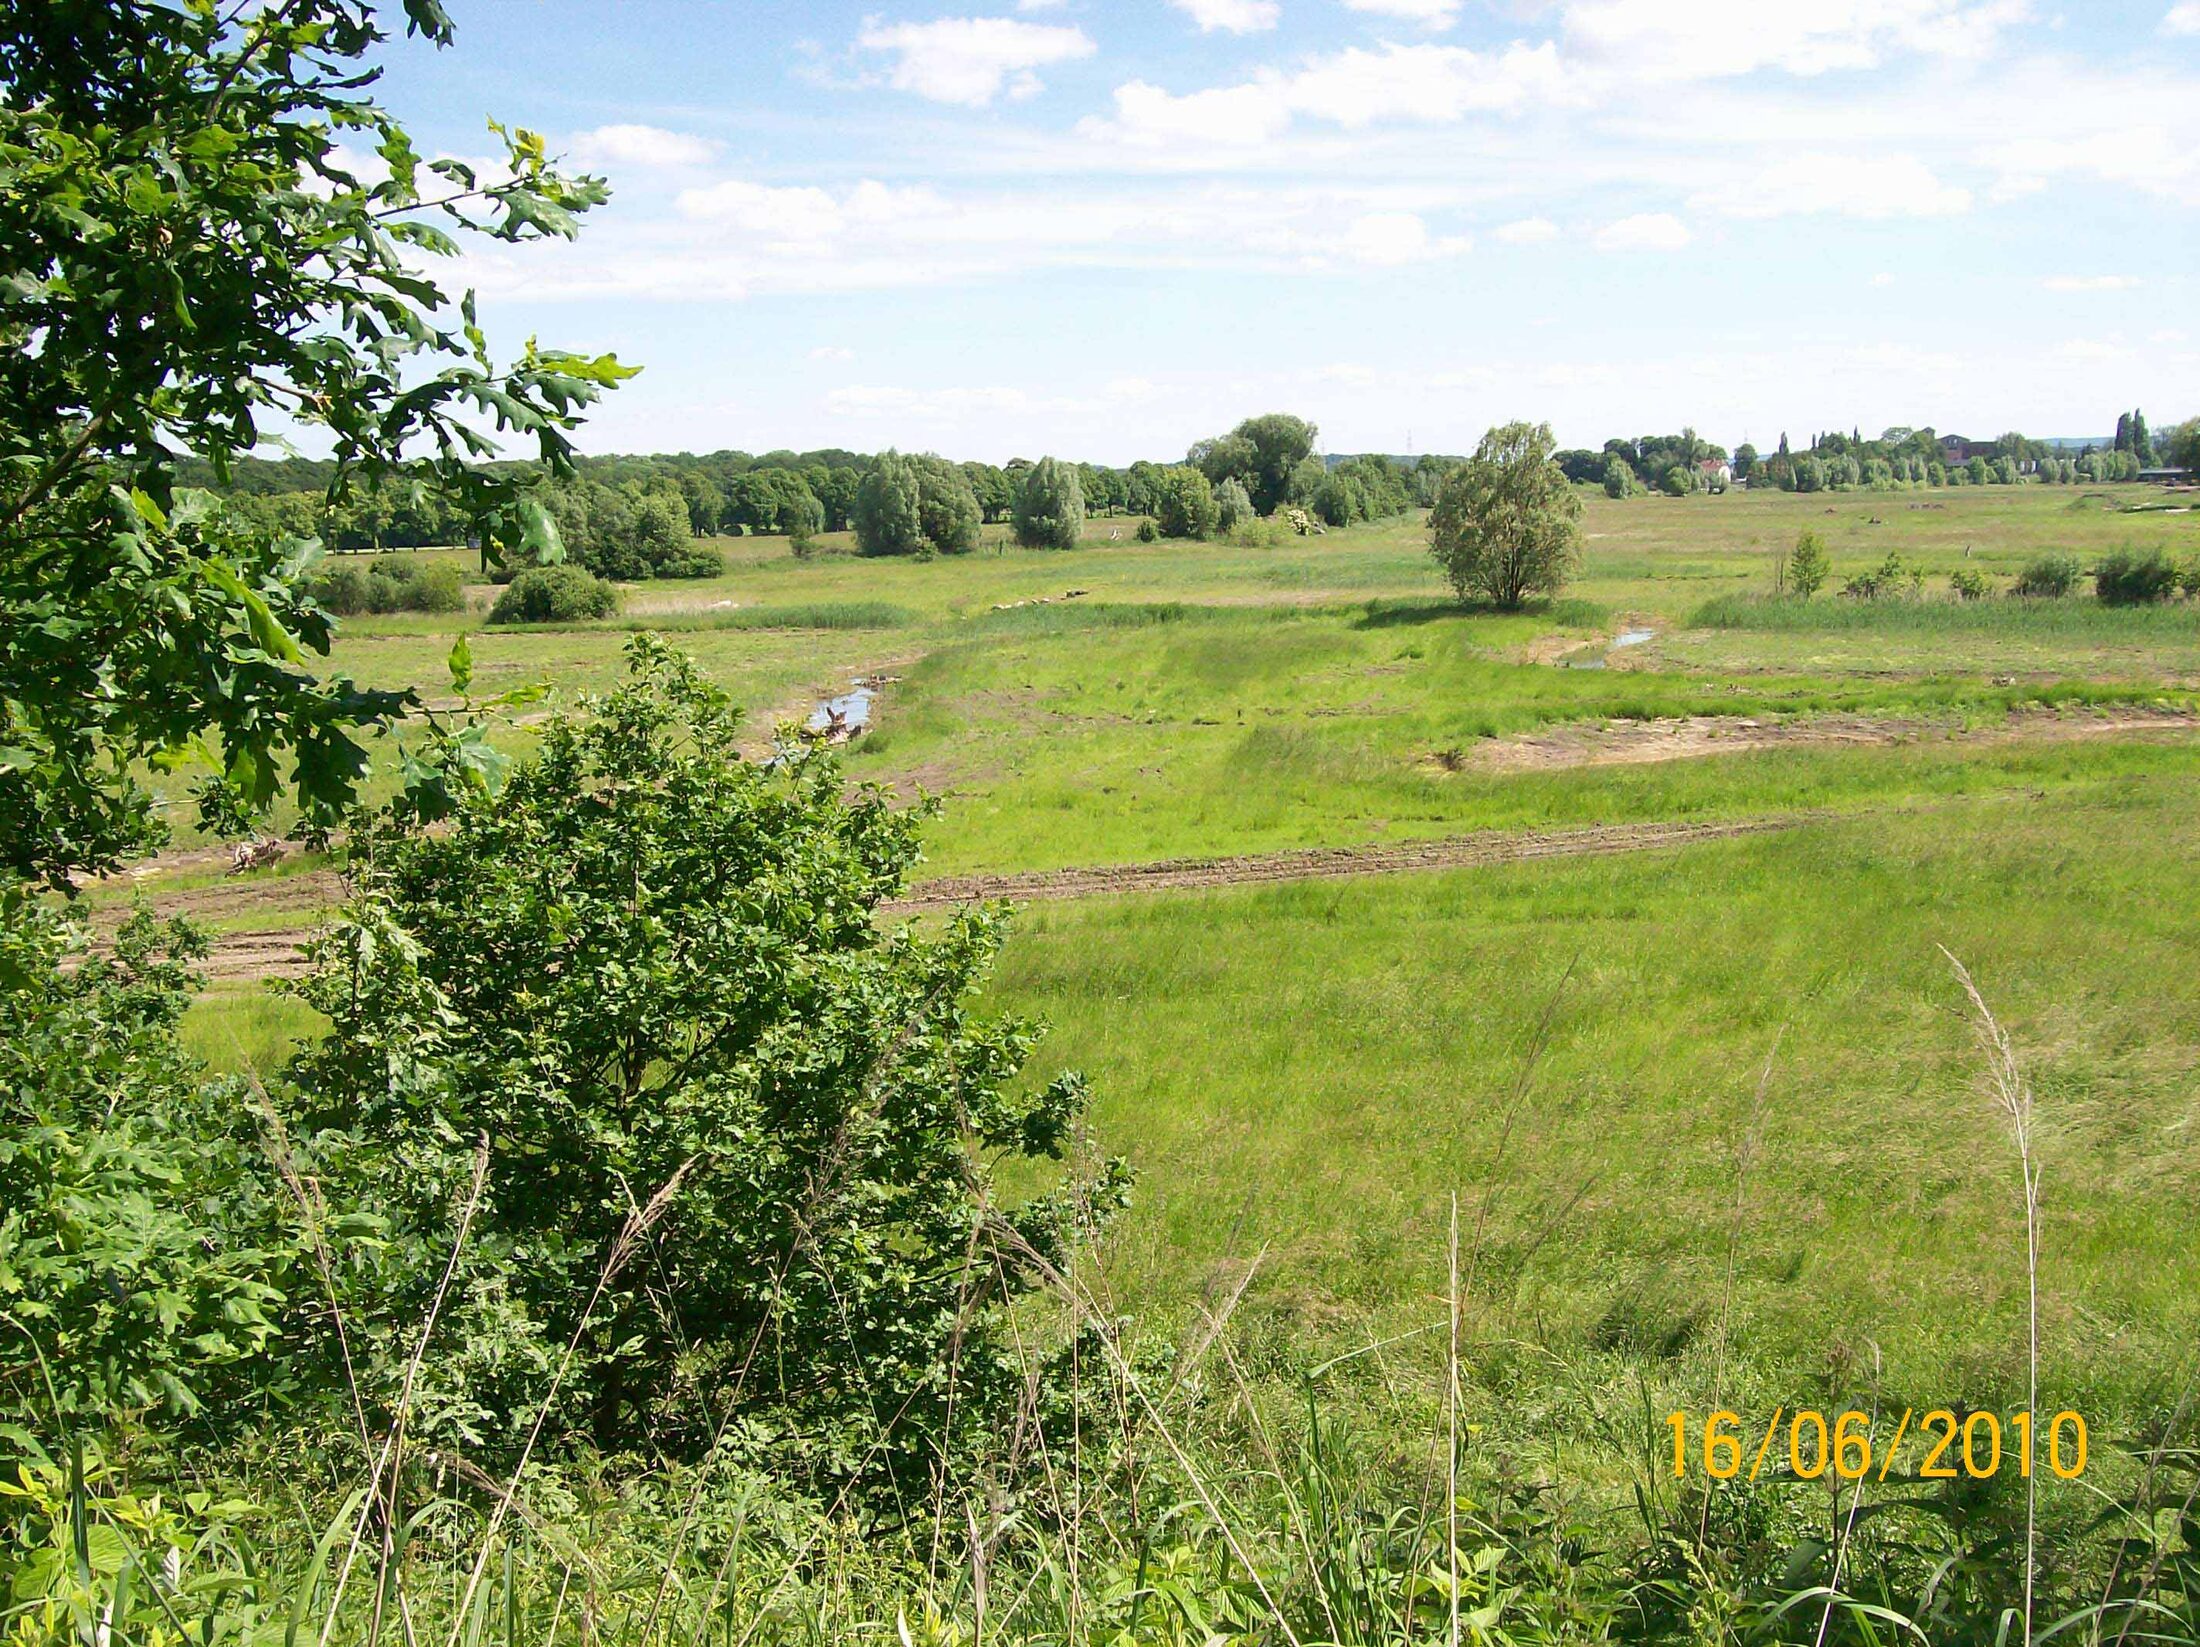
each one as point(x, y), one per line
point(1306, 1075)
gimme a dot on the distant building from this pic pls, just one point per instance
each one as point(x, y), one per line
point(1717, 474)
point(2167, 477)
point(1954, 450)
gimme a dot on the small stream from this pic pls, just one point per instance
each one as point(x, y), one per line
point(1598, 653)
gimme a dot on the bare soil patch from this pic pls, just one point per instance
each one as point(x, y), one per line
point(1642, 743)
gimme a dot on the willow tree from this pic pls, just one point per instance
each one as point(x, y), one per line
point(1507, 523)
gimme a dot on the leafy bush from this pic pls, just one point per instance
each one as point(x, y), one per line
point(389, 583)
point(2127, 579)
point(1148, 531)
point(554, 594)
point(1810, 566)
point(1233, 505)
point(738, 1135)
point(1970, 585)
point(1891, 576)
point(1184, 504)
point(137, 1245)
point(2049, 576)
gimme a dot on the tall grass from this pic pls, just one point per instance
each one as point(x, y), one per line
point(1184, 1505)
point(2068, 618)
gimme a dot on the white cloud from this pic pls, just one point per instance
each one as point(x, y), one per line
point(1528, 231)
point(2092, 283)
point(1437, 84)
point(804, 216)
point(1707, 39)
point(969, 60)
point(1354, 89)
point(1644, 232)
point(2183, 19)
point(1430, 14)
point(1863, 186)
point(1391, 238)
point(1880, 282)
point(1231, 16)
point(828, 351)
point(641, 146)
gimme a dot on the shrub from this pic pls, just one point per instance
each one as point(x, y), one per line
point(1340, 500)
point(1969, 585)
point(2049, 576)
point(692, 563)
point(2126, 579)
point(554, 594)
point(692, 1007)
point(140, 1254)
point(1619, 478)
point(1233, 505)
point(1185, 506)
point(390, 583)
point(1888, 578)
point(1148, 532)
point(1810, 566)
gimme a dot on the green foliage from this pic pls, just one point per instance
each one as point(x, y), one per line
point(1148, 531)
point(138, 1271)
point(2181, 446)
point(555, 594)
point(1809, 566)
point(388, 583)
point(2049, 576)
point(1184, 505)
point(1339, 500)
point(2128, 579)
point(947, 509)
point(1507, 522)
point(887, 521)
point(1050, 508)
point(1619, 478)
point(1969, 584)
point(740, 1136)
point(128, 635)
point(1233, 505)
point(146, 147)
point(1263, 454)
point(1892, 576)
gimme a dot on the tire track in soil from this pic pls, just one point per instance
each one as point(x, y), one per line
point(250, 956)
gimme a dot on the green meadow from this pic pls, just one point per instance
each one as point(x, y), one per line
point(1707, 1113)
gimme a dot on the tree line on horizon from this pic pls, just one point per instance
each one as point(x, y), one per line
point(630, 517)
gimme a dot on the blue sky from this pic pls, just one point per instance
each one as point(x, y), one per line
point(1108, 229)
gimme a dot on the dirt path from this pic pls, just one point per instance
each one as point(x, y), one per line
point(245, 956)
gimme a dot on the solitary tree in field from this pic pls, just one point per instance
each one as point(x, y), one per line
point(1619, 478)
point(1050, 510)
point(886, 518)
point(1506, 523)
